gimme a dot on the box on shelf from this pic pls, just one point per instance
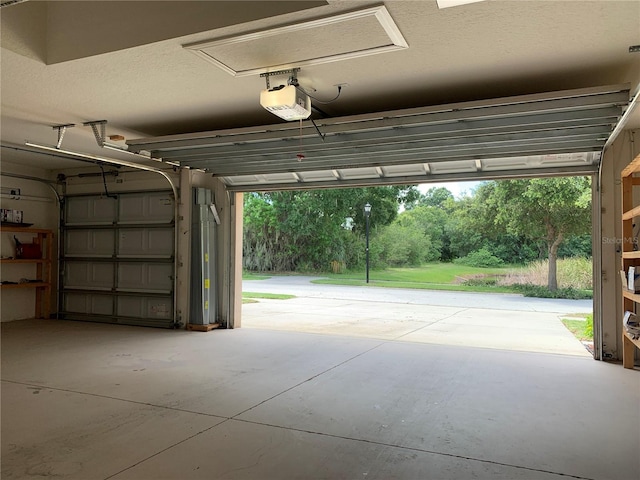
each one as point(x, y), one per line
point(11, 216)
point(27, 250)
point(633, 280)
point(631, 324)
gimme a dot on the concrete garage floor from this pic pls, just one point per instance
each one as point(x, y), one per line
point(92, 401)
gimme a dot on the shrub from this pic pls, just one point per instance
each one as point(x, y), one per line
point(481, 282)
point(576, 272)
point(401, 246)
point(480, 258)
point(539, 291)
point(588, 330)
point(354, 251)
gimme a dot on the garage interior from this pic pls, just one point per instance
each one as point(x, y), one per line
point(130, 131)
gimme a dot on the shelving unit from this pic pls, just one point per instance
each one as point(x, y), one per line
point(630, 254)
point(42, 285)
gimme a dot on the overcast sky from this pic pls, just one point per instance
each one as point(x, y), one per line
point(457, 188)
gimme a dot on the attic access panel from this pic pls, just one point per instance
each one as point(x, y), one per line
point(344, 36)
point(559, 133)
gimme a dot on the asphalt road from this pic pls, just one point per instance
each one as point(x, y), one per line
point(301, 286)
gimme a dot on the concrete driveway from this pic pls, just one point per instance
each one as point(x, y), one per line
point(502, 321)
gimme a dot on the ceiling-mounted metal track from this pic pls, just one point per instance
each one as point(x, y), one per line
point(9, 3)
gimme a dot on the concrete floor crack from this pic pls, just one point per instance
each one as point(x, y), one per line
point(109, 397)
point(310, 378)
point(421, 450)
point(429, 324)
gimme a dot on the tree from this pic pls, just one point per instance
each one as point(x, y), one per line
point(436, 197)
point(548, 209)
point(430, 222)
point(308, 229)
point(400, 245)
point(472, 225)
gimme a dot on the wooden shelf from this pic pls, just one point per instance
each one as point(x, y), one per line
point(43, 238)
point(635, 341)
point(628, 345)
point(24, 260)
point(630, 300)
point(631, 213)
point(9, 228)
point(25, 285)
point(631, 296)
point(633, 167)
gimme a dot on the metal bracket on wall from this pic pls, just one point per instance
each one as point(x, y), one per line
point(293, 79)
point(214, 210)
point(101, 136)
point(62, 129)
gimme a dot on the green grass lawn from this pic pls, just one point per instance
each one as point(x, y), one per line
point(430, 273)
point(254, 276)
point(433, 276)
point(271, 296)
point(438, 276)
point(250, 297)
point(581, 325)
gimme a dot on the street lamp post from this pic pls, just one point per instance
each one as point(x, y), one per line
point(367, 213)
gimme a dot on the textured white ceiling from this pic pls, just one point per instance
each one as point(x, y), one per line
point(483, 50)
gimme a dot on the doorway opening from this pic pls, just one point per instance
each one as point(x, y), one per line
point(495, 264)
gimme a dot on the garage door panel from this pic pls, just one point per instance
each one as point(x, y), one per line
point(511, 109)
point(89, 275)
point(88, 304)
point(147, 208)
point(117, 259)
point(91, 210)
point(454, 167)
point(145, 277)
point(410, 156)
point(399, 138)
point(160, 308)
point(141, 243)
point(564, 122)
point(89, 243)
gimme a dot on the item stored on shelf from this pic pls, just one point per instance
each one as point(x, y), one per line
point(631, 324)
point(633, 280)
point(11, 216)
point(27, 250)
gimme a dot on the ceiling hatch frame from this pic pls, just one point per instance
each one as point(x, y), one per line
point(557, 133)
point(394, 41)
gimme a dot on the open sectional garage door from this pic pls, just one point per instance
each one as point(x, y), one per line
point(538, 135)
point(559, 133)
point(118, 258)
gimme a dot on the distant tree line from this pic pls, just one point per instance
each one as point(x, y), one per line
point(500, 222)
